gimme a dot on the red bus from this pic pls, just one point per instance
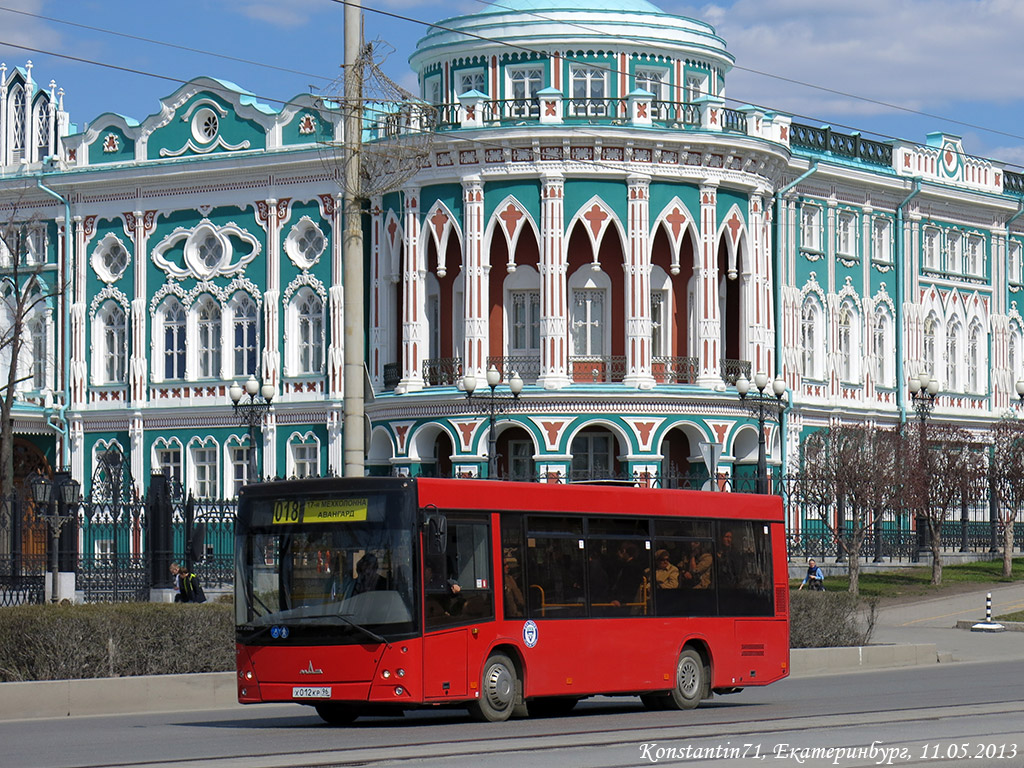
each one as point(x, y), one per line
point(375, 595)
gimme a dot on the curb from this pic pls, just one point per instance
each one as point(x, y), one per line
point(1009, 626)
point(808, 662)
point(217, 690)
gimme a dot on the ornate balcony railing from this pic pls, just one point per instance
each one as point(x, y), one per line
point(392, 375)
point(442, 371)
point(674, 370)
point(527, 366)
point(731, 370)
point(850, 145)
point(596, 369)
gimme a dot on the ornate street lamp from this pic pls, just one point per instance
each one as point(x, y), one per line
point(762, 406)
point(250, 402)
point(493, 404)
point(923, 389)
point(58, 499)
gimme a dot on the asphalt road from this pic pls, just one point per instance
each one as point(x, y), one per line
point(943, 715)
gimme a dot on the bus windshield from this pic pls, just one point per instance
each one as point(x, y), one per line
point(325, 570)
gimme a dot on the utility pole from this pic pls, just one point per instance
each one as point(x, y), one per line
point(352, 246)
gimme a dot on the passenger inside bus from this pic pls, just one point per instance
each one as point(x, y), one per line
point(695, 569)
point(515, 605)
point(666, 575)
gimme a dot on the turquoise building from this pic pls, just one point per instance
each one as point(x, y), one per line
point(592, 213)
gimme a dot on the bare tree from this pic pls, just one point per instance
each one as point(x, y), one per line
point(1006, 468)
point(944, 468)
point(849, 480)
point(25, 293)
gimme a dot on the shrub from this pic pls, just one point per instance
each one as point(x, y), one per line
point(830, 619)
point(62, 642)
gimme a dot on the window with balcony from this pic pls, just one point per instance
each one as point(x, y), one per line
point(471, 80)
point(525, 322)
point(660, 344)
point(589, 91)
point(655, 81)
point(696, 87)
point(523, 84)
point(588, 321)
point(592, 456)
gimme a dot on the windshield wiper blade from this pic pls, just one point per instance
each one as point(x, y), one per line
point(365, 630)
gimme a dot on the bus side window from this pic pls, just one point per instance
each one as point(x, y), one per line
point(457, 585)
point(512, 566)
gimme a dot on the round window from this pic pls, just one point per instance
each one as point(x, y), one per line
point(205, 125)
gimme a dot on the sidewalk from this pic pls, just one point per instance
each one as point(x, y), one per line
point(934, 621)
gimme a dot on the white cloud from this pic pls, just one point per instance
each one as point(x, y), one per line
point(922, 54)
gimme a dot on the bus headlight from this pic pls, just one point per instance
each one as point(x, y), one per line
point(385, 674)
point(399, 690)
point(400, 672)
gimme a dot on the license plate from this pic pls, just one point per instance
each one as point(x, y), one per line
point(311, 692)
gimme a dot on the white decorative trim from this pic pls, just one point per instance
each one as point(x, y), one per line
point(194, 266)
point(109, 292)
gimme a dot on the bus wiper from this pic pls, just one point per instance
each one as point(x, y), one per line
point(365, 630)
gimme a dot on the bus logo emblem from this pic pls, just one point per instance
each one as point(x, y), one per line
point(530, 633)
point(310, 670)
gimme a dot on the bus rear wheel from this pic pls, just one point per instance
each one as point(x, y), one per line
point(497, 690)
point(336, 714)
point(692, 681)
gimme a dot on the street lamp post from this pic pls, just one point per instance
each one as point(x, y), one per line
point(58, 498)
point(923, 389)
point(762, 406)
point(492, 405)
point(250, 402)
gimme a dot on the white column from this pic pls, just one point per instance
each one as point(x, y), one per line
point(139, 226)
point(708, 321)
point(757, 298)
point(554, 302)
point(638, 285)
point(414, 296)
point(476, 271)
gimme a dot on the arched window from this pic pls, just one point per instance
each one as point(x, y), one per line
point(928, 351)
point(172, 318)
point(36, 327)
point(18, 123)
point(42, 129)
point(954, 349)
point(244, 334)
point(812, 343)
point(1014, 352)
point(977, 358)
point(849, 342)
point(309, 327)
point(208, 339)
point(883, 348)
point(112, 348)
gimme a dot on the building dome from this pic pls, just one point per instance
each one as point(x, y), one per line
point(557, 26)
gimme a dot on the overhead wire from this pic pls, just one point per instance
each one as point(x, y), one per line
point(482, 38)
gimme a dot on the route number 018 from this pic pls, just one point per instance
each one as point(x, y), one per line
point(287, 511)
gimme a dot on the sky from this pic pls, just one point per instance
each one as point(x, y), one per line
point(888, 68)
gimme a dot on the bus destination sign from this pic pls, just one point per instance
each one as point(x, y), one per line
point(291, 511)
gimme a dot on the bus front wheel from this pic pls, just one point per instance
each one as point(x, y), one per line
point(497, 690)
point(692, 681)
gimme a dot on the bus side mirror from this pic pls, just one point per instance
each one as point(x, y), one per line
point(437, 534)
